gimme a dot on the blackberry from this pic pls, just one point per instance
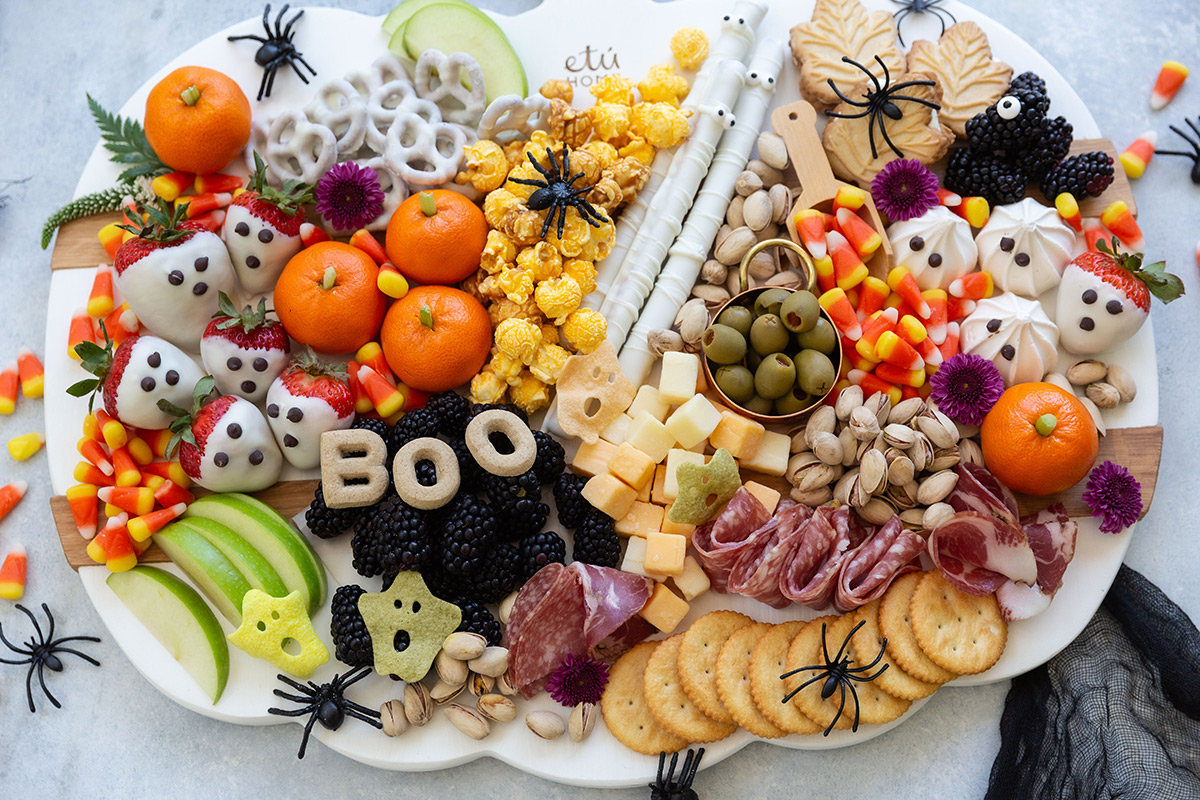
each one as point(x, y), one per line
point(378, 426)
point(997, 179)
point(325, 522)
point(1031, 83)
point(416, 424)
point(551, 458)
point(468, 469)
point(426, 472)
point(527, 516)
point(541, 549)
point(596, 541)
point(453, 412)
point(351, 639)
point(502, 573)
point(503, 492)
point(468, 533)
point(991, 134)
point(445, 586)
point(1081, 175)
point(479, 408)
point(394, 538)
point(477, 619)
point(569, 500)
point(1049, 150)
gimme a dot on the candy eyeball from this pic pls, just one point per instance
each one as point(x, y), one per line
point(1008, 107)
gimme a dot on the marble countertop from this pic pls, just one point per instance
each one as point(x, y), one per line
point(117, 736)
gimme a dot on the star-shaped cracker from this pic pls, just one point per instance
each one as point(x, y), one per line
point(961, 63)
point(407, 626)
point(592, 392)
point(704, 489)
point(269, 622)
point(842, 28)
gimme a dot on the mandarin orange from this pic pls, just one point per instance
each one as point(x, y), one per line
point(436, 338)
point(326, 297)
point(436, 237)
point(197, 120)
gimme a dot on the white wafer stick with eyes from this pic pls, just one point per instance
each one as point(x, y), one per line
point(688, 252)
point(735, 41)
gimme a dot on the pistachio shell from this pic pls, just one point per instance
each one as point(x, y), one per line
point(880, 405)
point(735, 246)
point(845, 486)
point(873, 470)
point(497, 707)
point(823, 420)
point(761, 267)
point(849, 447)
point(901, 470)
point(936, 514)
point(970, 451)
point(1104, 395)
point(757, 210)
point(863, 423)
point(828, 448)
point(468, 720)
point(936, 487)
point(1089, 370)
point(899, 435)
point(877, 511)
point(747, 183)
point(493, 662)
point(850, 398)
point(464, 645)
point(1097, 417)
point(418, 705)
point(451, 671)
point(938, 427)
point(798, 462)
point(714, 272)
point(781, 201)
point(691, 320)
point(583, 720)
point(903, 412)
point(772, 150)
point(814, 498)
point(392, 715)
point(913, 518)
point(660, 341)
point(443, 692)
point(713, 296)
point(1059, 380)
point(504, 685)
point(479, 685)
point(945, 458)
point(766, 173)
point(733, 212)
point(788, 279)
point(1123, 382)
point(545, 724)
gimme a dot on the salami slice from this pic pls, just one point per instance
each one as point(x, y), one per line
point(758, 576)
point(870, 568)
point(720, 542)
point(812, 574)
point(977, 552)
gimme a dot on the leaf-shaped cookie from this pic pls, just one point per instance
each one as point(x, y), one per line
point(847, 141)
point(961, 62)
point(842, 28)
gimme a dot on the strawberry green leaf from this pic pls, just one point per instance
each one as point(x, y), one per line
point(204, 387)
point(1162, 284)
point(90, 351)
point(83, 388)
point(167, 407)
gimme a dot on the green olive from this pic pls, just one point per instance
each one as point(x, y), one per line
point(737, 317)
point(800, 311)
point(815, 372)
point(723, 345)
point(767, 335)
point(769, 301)
point(758, 405)
point(793, 402)
point(775, 376)
point(736, 382)
point(820, 337)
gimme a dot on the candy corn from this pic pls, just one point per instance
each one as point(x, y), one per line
point(25, 446)
point(865, 239)
point(949, 347)
point(8, 388)
point(31, 372)
point(362, 403)
point(143, 526)
point(973, 286)
point(90, 449)
point(848, 268)
point(872, 329)
point(100, 300)
point(911, 330)
point(79, 332)
point(1093, 232)
point(872, 384)
point(900, 376)
point(810, 226)
point(1135, 157)
point(386, 398)
point(1068, 210)
point(310, 234)
point(935, 321)
point(905, 285)
point(152, 482)
point(171, 470)
point(203, 203)
point(158, 440)
point(121, 323)
point(873, 292)
point(1118, 219)
point(111, 238)
point(139, 450)
point(10, 495)
point(1170, 79)
point(371, 355)
point(894, 351)
point(957, 308)
point(169, 493)
point(390, 281)
point(849, 197)
point(948, 198)
point(12, 574)
point(841, 312)
point(364, 240)
point(114, 432)
point(826, 280)
point(218, 182)
point(975, 210)
point(82, 498)
point(136, 500)
point(171, 185)
point(87, 472)
point(211, 220)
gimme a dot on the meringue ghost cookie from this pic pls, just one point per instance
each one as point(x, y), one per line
point(1015, 334)
point(937, 247)
point(1094, 315)
point(1025, 247)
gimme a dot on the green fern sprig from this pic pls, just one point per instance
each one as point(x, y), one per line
point(126, 140)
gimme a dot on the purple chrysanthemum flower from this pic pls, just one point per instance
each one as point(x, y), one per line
point(349, 196)
point(578, 680)
point(904, 189)
point(966, 387)
point(1114, 496)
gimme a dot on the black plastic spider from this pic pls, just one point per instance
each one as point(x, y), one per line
point(557, 193)
point(880, 101)
point(1195, 145)
point(666, 787)
point(276, 50)
point(326, 703)
point(41, 651)
point(838, 672)
point(921, 7)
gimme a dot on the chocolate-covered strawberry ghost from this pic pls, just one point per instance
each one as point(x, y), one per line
point(171, 274)
point(225, 445)
point(262, 229)
point(305, 401)
point(1104, 298)
point(132, 380)
point(244, 350)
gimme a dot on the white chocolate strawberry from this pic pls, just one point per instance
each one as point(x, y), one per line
point(244, 350)
point(304, 402)
point(227, 445)
point(262, 229)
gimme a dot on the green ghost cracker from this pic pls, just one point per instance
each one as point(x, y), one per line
point(407, 626)
point(704, 488)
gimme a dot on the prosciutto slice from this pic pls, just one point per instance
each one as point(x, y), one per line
point(977, 553)
point(721, 542)
point(758, 576)
point(1051, 535)
point(978, 490)
point(870, 568)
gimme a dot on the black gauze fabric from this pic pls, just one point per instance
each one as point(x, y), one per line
point(1114, 715)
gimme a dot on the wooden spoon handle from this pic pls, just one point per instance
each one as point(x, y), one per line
point(797, 124)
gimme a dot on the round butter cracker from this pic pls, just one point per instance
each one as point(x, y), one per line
point(896, 626)
point(733, 681)
point(768, 662)
point(623, 706)
point(698, 653)
point(958, 631)
point(669, 703)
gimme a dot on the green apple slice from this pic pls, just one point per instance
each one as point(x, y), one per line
point(222, 583)
point(256, 569)
point(273, 536)
point(399, 15)
point(454, 28)
point(180, 620)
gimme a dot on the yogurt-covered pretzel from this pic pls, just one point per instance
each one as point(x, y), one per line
point(395, 190)
point(385, 69)
point(423, 153)
point(339, 107)
point(511, 117)
point(298, 149)
point(389, 99)
point(439, 79)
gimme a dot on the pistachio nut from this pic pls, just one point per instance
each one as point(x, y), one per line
point(903, 412)
point(828, 448)
point(823, 420)
point(713, 296)
point(493, 661)
point(880, 405)
point(757, 210)
point(691, 320)
point(714, 271)
point(733, 212)
point(944, 458)
point(662, 341)
point(899, 435)
point(781, 202)
point(772, 150)
point(873, 471)
point(1104, 395)
point(1122, 381)
point(849, 447)
point(844, 487)
point(583, 720)
point(877, 511)
point(863, 423)
point(912, 518)
point(1089, 370)
point(505, 612)
point(969, 451)
point(901, 470)
point(936, 514)
point(497, 707)
point(735, 246)
point(479, 685)
point(468, 720)
point(392, 715)
point(797, 462)
point(940, 429)
point(850, 399)
point(464, 645)
point(545, 724)
point(768, 174)
point(504, 685)
point(443, 692)
point(451, 671)
point(936, 487)
point(418, 705)
point(813, 498)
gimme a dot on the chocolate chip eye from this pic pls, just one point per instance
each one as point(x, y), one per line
point(256, 457)
point(272, 411)
point(154, 359)
point(201, 263)
point(241, 229)
point(221, 459)
point(1007, 244)
point(1089, 296)
point(172, 377)
point(916, 243)
point(294, 414)
point(200, 288)
point(234, 430)
point(290, 441)
point(993, 325)
point(265, 236)
point(1114, 307)
point(249, 386)
point(252, 262)
point(1087, 323)
point(1008, 351)
point(260, 364)
point(1021, 259)
point(234, 363)
point(175, 277)
point(935, 260)
point(148, 384)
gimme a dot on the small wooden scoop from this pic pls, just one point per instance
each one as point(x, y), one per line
point(796, 123)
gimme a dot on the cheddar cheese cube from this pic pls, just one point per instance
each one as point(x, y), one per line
point(592, 459)
point(609, 495)
point(635, 559)
point(616, 430)
point(642, 519)
point(680, 373)
point(657, 493)
point(632, 466)
point(650, 436)
point(649, 399)
point(693, 421)
point(644, 492)
point(692, 582)
point(737, 434)
point(765, 494)
point(675, 457)
point(665, 609)
point(679, 528)
point(665, 553)
point(772, 455)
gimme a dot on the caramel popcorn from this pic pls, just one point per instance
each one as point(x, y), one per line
point(660, 124)
point(690, 47)
point(487, 387)
point(542, 261)
point(613, 89)
point(571, 125)
point(631, 175)
point(557, 90)
point(484, 166)
point(497, 205)
point(604, 152)
point(605, 193)
point(610, 121)
point(518, 338)
point(662, 85)
point(502, 308)
point(498, 253)
point(558, 297)
point(585, 329)
point(516, 283)
point(549, 362)
point(529, 394)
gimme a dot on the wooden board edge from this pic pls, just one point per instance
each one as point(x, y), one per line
point(77, 245)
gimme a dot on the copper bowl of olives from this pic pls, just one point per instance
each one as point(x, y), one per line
point(773, 353)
